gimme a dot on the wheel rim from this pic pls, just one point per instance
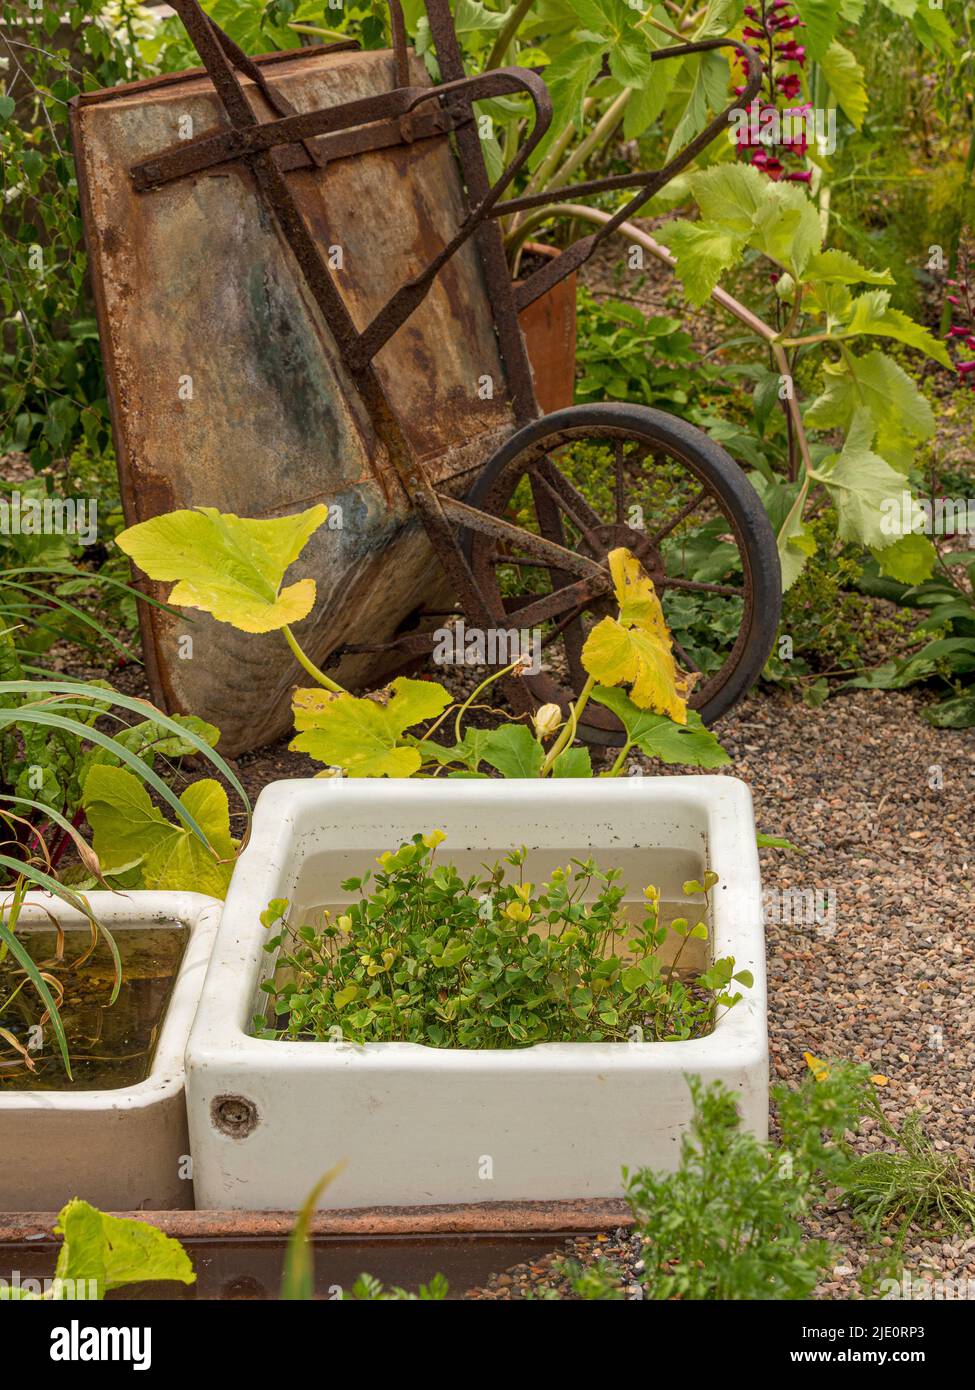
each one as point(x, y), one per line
point(654, 498)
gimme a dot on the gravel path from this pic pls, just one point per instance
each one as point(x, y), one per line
point(884, 807)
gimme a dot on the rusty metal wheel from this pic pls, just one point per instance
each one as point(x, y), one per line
point(595, 477)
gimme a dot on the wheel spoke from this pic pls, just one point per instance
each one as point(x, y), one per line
point(675, 521)
point(697, 586)
point(501, 530)
point(686, 660)
point(577, 595)
point(515, 601)
point(522, 560)
point(559, 630)
point(568, 497)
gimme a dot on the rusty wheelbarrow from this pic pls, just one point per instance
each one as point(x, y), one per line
point(303, 296)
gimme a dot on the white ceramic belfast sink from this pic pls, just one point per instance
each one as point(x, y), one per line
point(126, 1148)
point(416, 1124)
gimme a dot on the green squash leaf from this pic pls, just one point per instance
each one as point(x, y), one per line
point(704, 251)
point(719, 18)
point(901, 415)
point(513, 751)
point(732, 195)
point(859, 482)
point(872, 315)
point(569, 77)
point(846, 81)
point(840, 268)
point(656, 735)
point(796, 544)
point(709, 92)
point(129, 830)
point(910, 560)
point(469, 751)
point(365, 736)
point(573, 762)
point(822, 20)
point(649, 99)
point(113, 1251)
point(787, 227)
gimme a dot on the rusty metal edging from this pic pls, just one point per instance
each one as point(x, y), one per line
point(172, 79)
point(161, 689)
point(563, 1218)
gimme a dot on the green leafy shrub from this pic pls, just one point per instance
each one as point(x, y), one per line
point(427, 956)
point(52, 385)
point(624, 355)
point(948, 659)
point(830, 630)
point(727, 1223)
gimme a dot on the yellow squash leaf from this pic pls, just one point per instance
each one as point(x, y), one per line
point(129, 830)
point(228, 565)
point(635, 649)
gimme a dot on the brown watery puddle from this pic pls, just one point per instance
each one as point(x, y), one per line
point(110, 1046)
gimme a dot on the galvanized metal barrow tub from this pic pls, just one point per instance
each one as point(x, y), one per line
point(303, 297)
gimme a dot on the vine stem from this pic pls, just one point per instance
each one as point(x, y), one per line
point(310, 666)
point(506, 36)
point(617, 767)
point(316, 30)
point(571, 724)
point(653, 23)
point(489, 680)
point(601, 131)
point(548, 163)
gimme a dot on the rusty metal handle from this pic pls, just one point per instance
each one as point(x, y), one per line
point(500, 82)
point(217, 147)
point(648, 182)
